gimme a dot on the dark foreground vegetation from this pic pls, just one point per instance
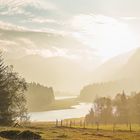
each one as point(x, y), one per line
point(12, 98)
point(47, 131)
point(20, 135)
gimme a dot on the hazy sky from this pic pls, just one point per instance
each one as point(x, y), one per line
point(70, 38)
point(110, 27)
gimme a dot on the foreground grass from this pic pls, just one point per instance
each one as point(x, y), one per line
point(49, 131)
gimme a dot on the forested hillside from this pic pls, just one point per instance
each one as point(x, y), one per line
point(90, 92)
point(39, 96)
point(123, 77)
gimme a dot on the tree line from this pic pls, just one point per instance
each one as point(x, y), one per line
point(108, 88)
point(122, 109)
point(39, 97)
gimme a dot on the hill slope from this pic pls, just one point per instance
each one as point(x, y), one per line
point(63, 73)
point(115, 78)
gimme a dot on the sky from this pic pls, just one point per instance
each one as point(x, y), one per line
point(87, 31)
point(109, 27)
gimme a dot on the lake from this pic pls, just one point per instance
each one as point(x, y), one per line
point(77, 111)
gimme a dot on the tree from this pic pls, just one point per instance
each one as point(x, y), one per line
point(134, 108)
point(122, 110)
point(103, 109)
point(90, 117)
point(12, 99)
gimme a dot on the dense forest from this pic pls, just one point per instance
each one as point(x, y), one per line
point(122, 109)
point(39, 96)
point(90, 92)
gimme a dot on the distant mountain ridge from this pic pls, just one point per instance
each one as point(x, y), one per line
point(113, 78)
point(49, 58)
point(61, 73)
point(107, 71)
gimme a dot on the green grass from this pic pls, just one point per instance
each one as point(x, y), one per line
point(62, 104)
point(56, 105)
point(118, 127)
point(49, 131)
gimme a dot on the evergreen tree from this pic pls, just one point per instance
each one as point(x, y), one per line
point(90, 117)
point(103, 109)
point(12, 99)
point(122, 111)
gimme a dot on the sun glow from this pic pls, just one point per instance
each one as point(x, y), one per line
point(108, 35)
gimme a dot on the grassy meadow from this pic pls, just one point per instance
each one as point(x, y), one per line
point(48, 131)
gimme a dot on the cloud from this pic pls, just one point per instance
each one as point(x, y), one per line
point(110, 36)
point(7, 42)
point(5, 45)
point(47, 53)
point(22, 46)
point(25, 47)
point(11, 7)
point(10, 26)
point(16, 4)
point(91, 18)
point(42, 41)
point(27, 15)
point(77, 53)
point(15, 27)
point(43, 20)
point(130, 18)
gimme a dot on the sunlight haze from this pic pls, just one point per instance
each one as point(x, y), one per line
point(70, 69)
point(84, 33)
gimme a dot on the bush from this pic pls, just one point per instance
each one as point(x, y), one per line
point(28, 135)
point(11, 134)
point(18, 135)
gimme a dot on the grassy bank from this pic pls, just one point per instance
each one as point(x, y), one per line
point(57, 105)
point(49, 131)
point(62, 104)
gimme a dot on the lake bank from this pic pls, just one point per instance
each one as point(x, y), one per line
point(64, 107)
point(76, 111)
point(66, 103)
point(58, 104)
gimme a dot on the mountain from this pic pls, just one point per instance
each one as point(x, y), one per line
point(63, 73)
point(113, 77)
point(17, 44)
point(132, 68)
point(107, 71)
point(49, 58)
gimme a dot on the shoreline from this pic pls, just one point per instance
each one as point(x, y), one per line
point(60, 104)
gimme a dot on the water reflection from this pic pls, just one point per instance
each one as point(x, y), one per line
point(77, 111)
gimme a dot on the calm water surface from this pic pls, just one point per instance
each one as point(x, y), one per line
point(77, 111)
